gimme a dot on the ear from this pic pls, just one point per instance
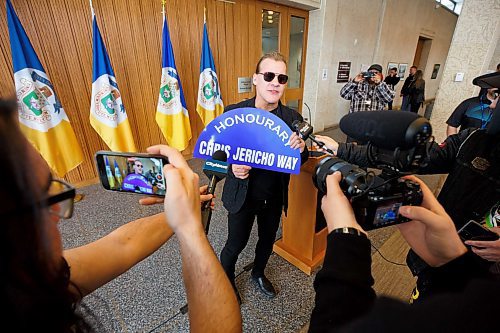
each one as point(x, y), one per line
point(254, 79)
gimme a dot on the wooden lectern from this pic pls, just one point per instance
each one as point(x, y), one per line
point(301, 244)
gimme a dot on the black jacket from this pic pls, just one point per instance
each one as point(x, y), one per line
point(235, 189)
point(406, 85)
point(465, 296)
point(417, 92)
point(392, 81)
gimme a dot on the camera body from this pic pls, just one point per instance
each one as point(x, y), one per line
point(380, 207)
point(375, 199)
point(368, 75)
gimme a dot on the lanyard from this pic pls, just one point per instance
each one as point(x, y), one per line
point(485, 122)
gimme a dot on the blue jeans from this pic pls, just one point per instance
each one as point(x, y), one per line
point(405, 106)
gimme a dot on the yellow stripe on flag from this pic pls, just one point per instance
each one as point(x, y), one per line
point(208, 115)
point(175, 128)
point(117, 138)
point(58, 146)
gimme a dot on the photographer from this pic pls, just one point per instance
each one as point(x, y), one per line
point(42, 283)
point(367, 91)
point(472, 161)
point(345, 300)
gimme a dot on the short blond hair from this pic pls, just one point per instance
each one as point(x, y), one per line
point(274, 55)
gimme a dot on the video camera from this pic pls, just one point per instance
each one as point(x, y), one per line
point(398, 145)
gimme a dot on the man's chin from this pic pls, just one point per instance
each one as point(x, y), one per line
point(273, 98)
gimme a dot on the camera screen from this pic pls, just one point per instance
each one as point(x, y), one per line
point(387, 214)
point(142, 175)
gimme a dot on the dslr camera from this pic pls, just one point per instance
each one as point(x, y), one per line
point(376, 198)
point(368, 75)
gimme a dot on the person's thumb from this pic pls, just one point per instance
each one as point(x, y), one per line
point(420, 214)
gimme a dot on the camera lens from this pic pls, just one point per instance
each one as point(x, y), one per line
point(354, 179)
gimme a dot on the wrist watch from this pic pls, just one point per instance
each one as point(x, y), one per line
point(348, 230)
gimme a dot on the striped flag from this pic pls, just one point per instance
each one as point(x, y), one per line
point(107, 112)
point(41, 116)
point(172, 115)
point(209, 104)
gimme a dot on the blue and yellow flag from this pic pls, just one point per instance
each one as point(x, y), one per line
point(41, 116)
point(107, 112)
point(209, 104)
point(171, 114)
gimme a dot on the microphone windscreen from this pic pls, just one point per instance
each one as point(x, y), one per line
point(386, 129)
point(219, 155)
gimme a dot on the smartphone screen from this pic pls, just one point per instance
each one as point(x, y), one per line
point(132, 172)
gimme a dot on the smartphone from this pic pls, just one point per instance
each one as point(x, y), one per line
point(475, 231)
point(131, 172)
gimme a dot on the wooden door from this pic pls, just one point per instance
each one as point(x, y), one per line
point(284, 29)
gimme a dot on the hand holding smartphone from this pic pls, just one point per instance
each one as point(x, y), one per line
point(132, 172)
point(472, 230)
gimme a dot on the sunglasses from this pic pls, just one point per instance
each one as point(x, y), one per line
point(268, 77)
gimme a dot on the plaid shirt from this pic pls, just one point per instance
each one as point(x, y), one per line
point(367, 97)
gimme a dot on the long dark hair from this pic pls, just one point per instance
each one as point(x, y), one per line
point(418, 79)
point(33, 284)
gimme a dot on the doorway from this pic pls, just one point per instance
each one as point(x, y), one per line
point(284, 29)
point(422, 52)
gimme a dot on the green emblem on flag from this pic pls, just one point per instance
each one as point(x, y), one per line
point(32, 101)
point(109, 103)
point(207, 90)
point(166, 93)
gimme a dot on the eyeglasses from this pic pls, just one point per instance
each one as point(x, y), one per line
point(269, 76)
point(63, 194)
point(139, 165)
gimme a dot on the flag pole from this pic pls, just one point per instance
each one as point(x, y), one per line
point(204, 15)
point(92, 8)
point(163, 2)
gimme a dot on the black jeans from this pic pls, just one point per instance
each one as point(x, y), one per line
point(268, 214)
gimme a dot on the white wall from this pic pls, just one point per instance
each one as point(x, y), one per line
point(473, 51)
point(495, 60)
point(367, 32)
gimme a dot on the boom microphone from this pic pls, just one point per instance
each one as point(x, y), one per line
point(305, 130)
point(215, 169)
point(387, 129)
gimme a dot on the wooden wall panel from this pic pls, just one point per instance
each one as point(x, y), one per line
point(61, 33)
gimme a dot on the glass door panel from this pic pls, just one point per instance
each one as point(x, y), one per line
point(296, 36)
point(270, 31)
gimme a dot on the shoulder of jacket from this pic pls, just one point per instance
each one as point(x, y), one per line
point(244, 103)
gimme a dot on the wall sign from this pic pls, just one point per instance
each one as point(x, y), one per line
point(244, 85)
point(344, 71)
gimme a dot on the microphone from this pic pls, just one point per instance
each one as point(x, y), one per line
point(215, 169)
point(305, 130)
point(387, 129)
